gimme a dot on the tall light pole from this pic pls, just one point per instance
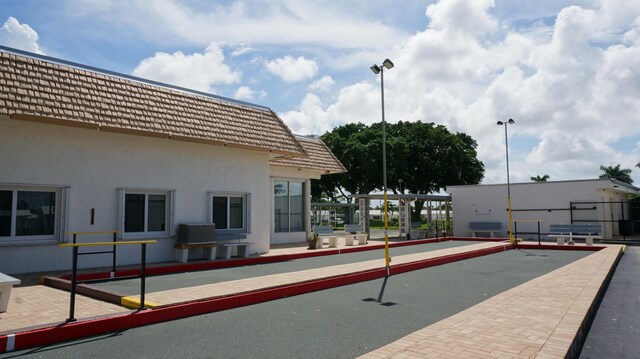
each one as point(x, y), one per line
point(506, 144)
point(379, 69)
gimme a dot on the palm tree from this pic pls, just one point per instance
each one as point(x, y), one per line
point(539, 178)
point(617, 173)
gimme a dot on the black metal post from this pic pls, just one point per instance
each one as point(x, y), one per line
point(143, 262)
point(538, 232)
point(74, 238)
point(74, 283)
point(623, 225)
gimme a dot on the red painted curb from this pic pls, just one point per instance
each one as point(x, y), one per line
point(238, 262)
point(594, 248)
point(76, 330)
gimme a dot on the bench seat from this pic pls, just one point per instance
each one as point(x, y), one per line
point(485, 227)
point(417, 232)
point(586, 231)
point(6, 284)
point(225, 249)
point(327, 232)
point(181, 251)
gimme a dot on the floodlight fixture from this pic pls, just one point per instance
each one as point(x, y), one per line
point(387, 63)
point(376, 69)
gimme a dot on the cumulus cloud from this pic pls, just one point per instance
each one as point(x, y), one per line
point(198, 71)
point(242, 51)
point(316, 25)
point(291, 69)
point(19, 36)
point(246, 93)
point(324, 84)
point(573, 92)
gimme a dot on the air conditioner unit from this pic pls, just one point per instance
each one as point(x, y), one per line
point(196, 232)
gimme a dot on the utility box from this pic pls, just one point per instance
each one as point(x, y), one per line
point(196, 232)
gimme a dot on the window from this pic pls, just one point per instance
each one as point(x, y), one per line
point(289, 206)
point(30, 213)
point(146, 212)
point(229, 211)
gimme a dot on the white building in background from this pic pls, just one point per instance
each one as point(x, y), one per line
point(87, 150)
point(555, 202)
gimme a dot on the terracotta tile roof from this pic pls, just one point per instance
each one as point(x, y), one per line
point(320, 157)
point(44, 89)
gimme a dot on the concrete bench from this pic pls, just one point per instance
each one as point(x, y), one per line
point(181, 251)
point(417, 232)
point(325, 232)
point(586, 231)
point(353, 234)
point(227, 243)
point(485, 227)
point(6, 284)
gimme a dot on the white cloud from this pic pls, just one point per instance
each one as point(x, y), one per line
point(332, 25)
point(572, 95)
point(242, 51)
point(291, 69)
point(324, 84)
point(198, 71)
point(19, 36)
point(246, 93)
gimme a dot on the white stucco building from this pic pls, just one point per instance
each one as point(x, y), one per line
point(555, 202)
point(86, 150)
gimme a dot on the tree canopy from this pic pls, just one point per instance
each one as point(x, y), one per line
point(539, 178)
point(425, 156)
point(617, 173)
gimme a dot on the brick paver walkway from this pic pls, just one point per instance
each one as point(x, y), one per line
point(275, 280)
point(538, 319)
point(38, 306)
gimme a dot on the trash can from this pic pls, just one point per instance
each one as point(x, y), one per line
point(625, 226)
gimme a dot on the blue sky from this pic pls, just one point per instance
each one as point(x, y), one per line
point(568, 72)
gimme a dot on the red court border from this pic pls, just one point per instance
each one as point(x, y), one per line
point(99, 326)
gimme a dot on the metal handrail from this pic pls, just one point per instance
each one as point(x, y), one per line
point(74, 274)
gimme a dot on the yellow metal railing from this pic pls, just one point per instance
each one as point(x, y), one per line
point(74, 274)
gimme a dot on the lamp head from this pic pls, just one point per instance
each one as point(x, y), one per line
point(387, 63)
point(511, 121)
point(376, 69)
point(500, 123)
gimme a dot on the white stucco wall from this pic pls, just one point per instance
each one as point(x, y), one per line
point(94, 164)
point(546, 201)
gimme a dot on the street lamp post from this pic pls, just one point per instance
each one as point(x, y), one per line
point(379, 69)
point(506, 144)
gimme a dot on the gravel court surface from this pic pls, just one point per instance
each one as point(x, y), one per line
point(342, 322)
point(190, 279)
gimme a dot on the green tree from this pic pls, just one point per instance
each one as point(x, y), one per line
point(539, 178)
point(427, 157)
point(617, 173)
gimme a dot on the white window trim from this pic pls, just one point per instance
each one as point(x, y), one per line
point(246, 210)
point(60, 222)
point(170, 230)
point(306, 188)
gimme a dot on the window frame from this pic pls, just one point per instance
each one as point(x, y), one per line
point(305, 200)
point(169, 212)
point(60, 216)
point(246, 212)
